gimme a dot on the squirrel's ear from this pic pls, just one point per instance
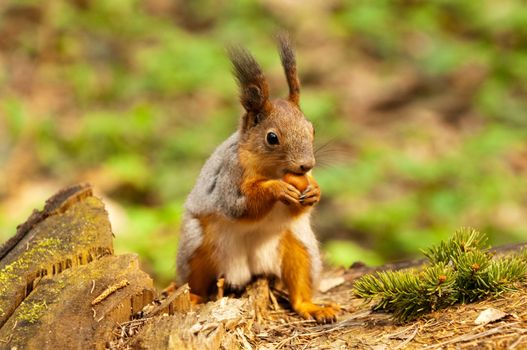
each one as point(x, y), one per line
point(287, 57)
point(254, 89)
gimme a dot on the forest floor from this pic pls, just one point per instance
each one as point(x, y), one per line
point(357, 327)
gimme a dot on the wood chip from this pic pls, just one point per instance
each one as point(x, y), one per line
point(329, 283)
point(220, 284)
point(489, 315)
point(111, 289)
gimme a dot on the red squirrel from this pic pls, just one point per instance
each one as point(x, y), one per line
point(249, 211)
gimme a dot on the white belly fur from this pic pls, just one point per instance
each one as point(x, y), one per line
point(244, 249)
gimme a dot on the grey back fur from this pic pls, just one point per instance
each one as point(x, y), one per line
point(216, 189)
point(218, 184)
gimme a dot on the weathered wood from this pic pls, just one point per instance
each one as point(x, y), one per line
point(59, 313)
point(206, 328)
point(56, 204)
point(258, 294)
point(178, 332)
point(72, 230)
point(209, 326)
point(177, 302)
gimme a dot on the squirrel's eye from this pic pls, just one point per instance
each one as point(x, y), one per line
point(272, 139)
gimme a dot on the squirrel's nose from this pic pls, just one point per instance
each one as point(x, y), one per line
point(307, 165)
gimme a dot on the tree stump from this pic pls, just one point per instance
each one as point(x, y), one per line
point(56, 265)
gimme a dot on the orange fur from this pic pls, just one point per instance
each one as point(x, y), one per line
point(261, 196)
point(260, 192)
point(203, 271)
point(296, 276)
point(196, 299)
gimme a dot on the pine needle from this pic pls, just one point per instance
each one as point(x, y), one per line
point(459, 270)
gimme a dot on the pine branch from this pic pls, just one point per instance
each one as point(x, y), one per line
point(472, 280)
point(460, 270)
point(464, 240)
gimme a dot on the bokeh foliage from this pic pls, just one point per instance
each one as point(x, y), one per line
point(419, 108)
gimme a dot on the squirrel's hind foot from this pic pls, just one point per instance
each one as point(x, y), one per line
point(322, 314)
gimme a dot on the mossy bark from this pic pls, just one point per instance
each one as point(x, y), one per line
point(59, 313)
point(51, 271)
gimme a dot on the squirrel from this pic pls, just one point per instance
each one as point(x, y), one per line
point(249, 211)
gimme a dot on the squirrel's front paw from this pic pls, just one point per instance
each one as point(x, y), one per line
point(310, 196)
point(288, 194)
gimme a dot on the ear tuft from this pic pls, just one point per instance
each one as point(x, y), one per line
point(253, 85)
point(287, 56)
point(252, 98)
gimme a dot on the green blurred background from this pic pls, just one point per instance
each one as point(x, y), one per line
point(419, 108)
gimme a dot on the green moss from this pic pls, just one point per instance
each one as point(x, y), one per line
point(31, 312)
point(10, 273)
point(47, 243)
point(6, 276)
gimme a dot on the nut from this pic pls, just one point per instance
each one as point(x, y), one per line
point(301, 182)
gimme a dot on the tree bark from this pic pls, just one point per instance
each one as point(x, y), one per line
point(55, 266)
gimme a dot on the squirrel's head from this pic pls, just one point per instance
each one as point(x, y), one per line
point(276, 138)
